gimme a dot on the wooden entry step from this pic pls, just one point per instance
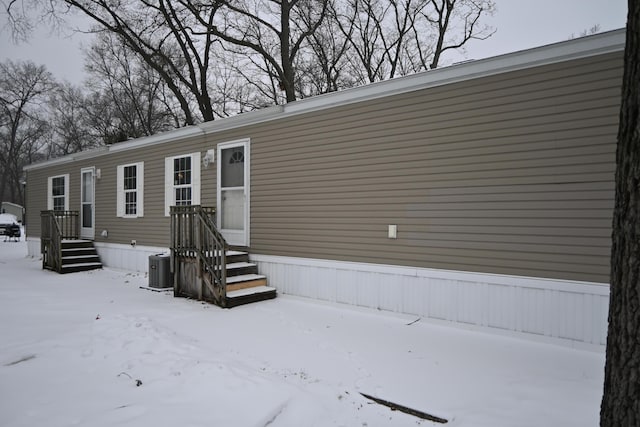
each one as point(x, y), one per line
point(79, 255)
point(244, 284)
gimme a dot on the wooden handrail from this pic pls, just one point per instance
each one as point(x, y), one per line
point(195, 235)
point(55, 227)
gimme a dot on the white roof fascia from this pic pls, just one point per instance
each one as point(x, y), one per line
point(94, 152)
point(159, 138)
point(244, 119)
point(174, 135)
point(47, 163)
point(584, 47)
point(598, 44)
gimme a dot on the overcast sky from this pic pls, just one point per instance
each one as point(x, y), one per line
point(520, 24)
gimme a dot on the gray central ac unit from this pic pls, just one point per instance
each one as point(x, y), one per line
point(160, 271)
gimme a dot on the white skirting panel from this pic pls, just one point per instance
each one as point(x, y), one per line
point(33, 247)
point(565, 312)
point(127, 257)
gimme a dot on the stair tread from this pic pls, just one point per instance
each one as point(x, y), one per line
point(81, 264)
point(233, 265)
point(245, 278)
point(250, 291)
point(75, 241)
point(234, 253)
point(79, 256)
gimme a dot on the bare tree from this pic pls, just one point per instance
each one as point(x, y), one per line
point(621, 399)
point(275, 30)
point(398, 37)
point(67, 118)
point(595, 29)
point(137, 93)
point(221, 57)
point(326, 67)
point(377, 31)
point(24, 87)
point(163, 33)
point(455, 22)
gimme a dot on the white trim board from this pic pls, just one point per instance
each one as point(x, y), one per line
point(563, 312)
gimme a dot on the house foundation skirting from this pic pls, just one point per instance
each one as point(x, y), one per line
point(559, 311)
point(33, 247)
point(128, 257)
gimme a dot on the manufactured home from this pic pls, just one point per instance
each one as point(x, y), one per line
point(479, 194)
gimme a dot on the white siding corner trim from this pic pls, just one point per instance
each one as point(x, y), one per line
point(563, 312)
point(120, 191)
point(169, 190)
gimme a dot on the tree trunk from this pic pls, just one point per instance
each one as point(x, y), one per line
point(621, 400)
point(285, 52)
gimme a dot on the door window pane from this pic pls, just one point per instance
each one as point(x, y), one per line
point(232, 167)
point(87, 217)
point(232, 210)
point(87, 187)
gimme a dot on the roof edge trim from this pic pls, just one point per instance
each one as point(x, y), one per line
point(598, 44)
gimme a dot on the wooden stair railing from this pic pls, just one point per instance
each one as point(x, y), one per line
point(194, 235)
point(55, 227)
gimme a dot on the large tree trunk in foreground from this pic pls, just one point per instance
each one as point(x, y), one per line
point(621, 400)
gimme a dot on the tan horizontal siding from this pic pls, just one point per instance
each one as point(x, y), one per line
point(150, 230)
point(508, 174)
point(511, 174)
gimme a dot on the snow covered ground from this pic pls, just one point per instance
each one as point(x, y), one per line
point(93, 349)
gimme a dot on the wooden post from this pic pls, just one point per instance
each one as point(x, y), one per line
point(172, 248)
point(198, 246)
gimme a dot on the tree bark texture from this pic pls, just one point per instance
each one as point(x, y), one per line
point(621, 400)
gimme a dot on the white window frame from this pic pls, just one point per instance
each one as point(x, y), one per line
point(170, 188)
point(50, 191)
point(120, 204)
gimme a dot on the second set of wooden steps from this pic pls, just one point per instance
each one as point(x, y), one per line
point(244, 284)
point(79, 255)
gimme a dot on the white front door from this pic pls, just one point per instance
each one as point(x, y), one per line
point(233, 192)
point(87, 194)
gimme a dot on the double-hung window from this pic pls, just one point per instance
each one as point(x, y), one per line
point(182, 180)
point(130, 181)
point(58, 193)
